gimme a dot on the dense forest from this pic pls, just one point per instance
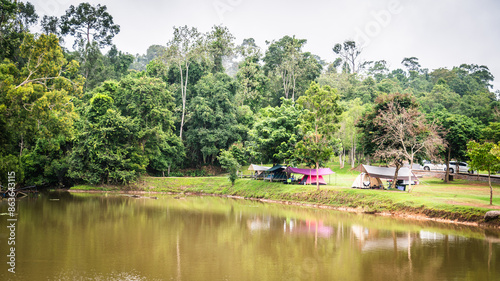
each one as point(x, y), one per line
point(86, 115)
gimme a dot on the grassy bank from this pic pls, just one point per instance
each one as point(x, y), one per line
point(460, 200)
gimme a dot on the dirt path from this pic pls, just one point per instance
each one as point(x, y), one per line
point(473, 205)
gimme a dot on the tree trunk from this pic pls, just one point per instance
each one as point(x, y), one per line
point(395, 180)
point(21, 147)
point(491, 188)
point(353, 159)
point(317, 175)
point(342, 156)
point(447, 174)
point(409, 175)
point(184, 94)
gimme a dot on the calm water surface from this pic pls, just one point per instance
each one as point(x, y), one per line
point(62, 236)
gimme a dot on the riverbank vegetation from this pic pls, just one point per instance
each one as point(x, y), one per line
point(97, 116)
point(460, 200)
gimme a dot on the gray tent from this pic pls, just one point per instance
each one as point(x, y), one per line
point(258, 170)
point(383, 173)
point(363, 180)
point(388, 173)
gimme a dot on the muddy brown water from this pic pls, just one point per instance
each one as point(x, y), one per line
point(62, 236)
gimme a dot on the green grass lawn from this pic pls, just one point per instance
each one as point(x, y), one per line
point(459, 199)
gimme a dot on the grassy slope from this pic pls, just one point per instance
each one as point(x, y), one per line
point(459, 200)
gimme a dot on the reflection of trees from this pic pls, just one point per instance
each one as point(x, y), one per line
point(211, 238)
point(427, 256)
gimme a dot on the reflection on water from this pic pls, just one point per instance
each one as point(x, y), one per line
point(117, 237)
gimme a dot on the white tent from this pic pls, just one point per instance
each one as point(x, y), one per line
point(363, 180)
point(388, 172)
point(383, 173)
point(258, 168)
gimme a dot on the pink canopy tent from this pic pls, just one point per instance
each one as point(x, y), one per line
point(310, 174)
point(306, 179)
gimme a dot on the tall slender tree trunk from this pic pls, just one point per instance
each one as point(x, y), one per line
point(317, 175)
point(395, 180)
point(353, 157)
point(447, 174)
point(341, 160)
point(491, 188)
point(409, 175)
point(184, 94)
point(21, 146)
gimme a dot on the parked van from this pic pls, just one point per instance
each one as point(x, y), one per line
point(462, 167)
point(430, 166)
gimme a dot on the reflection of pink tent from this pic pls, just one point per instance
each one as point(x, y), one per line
point(306, 179)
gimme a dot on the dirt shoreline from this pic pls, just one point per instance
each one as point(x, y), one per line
point(402, 214)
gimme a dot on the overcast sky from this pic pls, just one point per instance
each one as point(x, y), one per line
point(440, 33)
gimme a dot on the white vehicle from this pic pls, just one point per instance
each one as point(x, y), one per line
point(462, 167)
point(429, 166)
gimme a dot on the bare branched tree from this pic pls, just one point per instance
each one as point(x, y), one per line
point(406, 134)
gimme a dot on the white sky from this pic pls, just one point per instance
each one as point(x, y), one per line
point(440, 33)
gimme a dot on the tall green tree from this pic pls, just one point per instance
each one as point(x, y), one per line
point(348, 134)
point(89, 24)
point(320, 123)
point(440, 98)
point(220, 45)
point(457, 130)
point(36, 105)
point(212, 121)
point(275, 132)
point(484, 157)
point(93, 28)
point(147, 103)
point(253, 89)
point(107, 148)
point(491, 132)
point(349, 56)
point(230, 164)
point(289, 68)
point(15, 20)
point(153, 52)
point(187, 45)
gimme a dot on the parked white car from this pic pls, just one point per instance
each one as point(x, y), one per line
point(462, 167)
point(429, 166)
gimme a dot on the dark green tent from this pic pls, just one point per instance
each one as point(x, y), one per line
point(276, 173)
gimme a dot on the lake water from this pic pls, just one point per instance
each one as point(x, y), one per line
point(63, 236)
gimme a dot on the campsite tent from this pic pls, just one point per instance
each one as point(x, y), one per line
point(388, 173)
point(310, 174)
point(276, 173)
point(258, 170)
point(306, 179)
point(363, 180)
point(371, 176)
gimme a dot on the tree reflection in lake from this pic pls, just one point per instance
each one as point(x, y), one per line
point(113, 237)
